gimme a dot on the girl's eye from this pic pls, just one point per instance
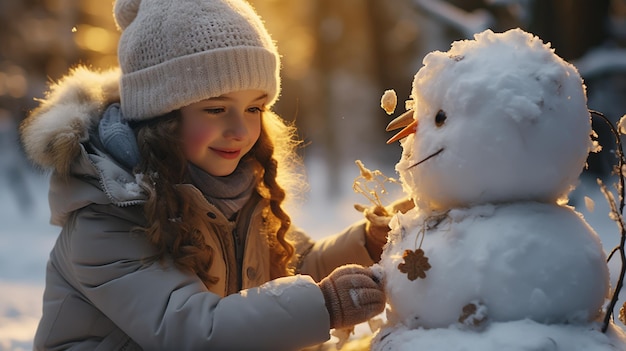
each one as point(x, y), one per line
point(440, 118)
point(255, 109)
point(213, 110)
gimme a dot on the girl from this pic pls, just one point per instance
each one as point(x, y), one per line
point(168, 182)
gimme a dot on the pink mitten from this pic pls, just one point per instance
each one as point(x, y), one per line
point(353, 295)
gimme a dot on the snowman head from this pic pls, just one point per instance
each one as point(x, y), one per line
point(500, 118)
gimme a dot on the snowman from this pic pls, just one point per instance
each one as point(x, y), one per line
point(491, 258)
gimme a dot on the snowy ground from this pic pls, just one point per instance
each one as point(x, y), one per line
point(26, 238)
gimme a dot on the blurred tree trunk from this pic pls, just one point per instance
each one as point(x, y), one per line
point(572, 26)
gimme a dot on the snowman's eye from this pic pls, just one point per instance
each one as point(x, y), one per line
point(440, 118)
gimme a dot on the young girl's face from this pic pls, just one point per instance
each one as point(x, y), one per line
point(219, 131)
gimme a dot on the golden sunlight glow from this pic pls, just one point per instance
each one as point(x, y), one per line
point(94, 38)
point(300, 46)
point(97, 8)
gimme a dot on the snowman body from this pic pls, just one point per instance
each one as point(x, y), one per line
point(502, 133)
point(554, 273)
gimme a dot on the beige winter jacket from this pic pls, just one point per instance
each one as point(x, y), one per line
point(101, 291)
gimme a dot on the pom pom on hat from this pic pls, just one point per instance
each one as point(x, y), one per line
point(174, 53)
point(125, 12)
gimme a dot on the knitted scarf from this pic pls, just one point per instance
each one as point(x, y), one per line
point(229, 193)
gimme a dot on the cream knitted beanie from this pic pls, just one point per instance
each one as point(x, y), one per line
point(176, 52)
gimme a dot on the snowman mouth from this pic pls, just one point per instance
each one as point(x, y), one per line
point(426, 159)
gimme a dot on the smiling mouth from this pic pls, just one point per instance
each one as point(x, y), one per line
point(426, 159)
point(227, 154)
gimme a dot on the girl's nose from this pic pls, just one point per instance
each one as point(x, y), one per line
point(235, 126)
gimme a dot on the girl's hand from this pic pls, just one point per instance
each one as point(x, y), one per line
point(377, 224)
point(353, 294)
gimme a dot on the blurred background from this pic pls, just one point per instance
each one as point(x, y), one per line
point(338, 56)
point(338, 59)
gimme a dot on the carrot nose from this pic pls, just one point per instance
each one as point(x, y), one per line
point(404, 120)
point(408, 130)
point(401, 121)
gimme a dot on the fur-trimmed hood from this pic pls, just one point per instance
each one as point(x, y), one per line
point(52, 133)
point(57, 137)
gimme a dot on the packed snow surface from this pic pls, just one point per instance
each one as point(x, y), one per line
point(521, 260)
point(522, 335)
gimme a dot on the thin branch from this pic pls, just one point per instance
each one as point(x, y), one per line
point(371, 184)
point(617, 216)
point(615, 249)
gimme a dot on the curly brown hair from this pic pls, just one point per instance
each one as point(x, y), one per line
point(173, 223)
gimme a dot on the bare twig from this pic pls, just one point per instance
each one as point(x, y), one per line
point(371, 184)
point(617, 215)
